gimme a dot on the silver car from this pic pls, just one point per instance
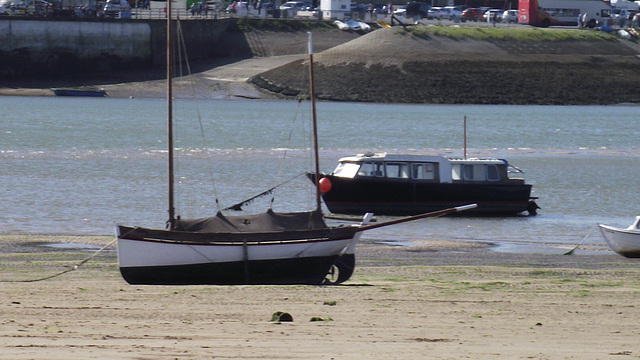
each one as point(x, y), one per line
point(510, 16)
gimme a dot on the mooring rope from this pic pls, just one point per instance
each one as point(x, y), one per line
point(570, 252)
point(75, 267)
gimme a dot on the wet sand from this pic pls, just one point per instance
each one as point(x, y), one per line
point(444, 300)
point(220, 80)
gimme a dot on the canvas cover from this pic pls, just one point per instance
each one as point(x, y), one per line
point(267, 222)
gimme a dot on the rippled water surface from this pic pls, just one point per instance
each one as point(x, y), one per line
point(74, 165)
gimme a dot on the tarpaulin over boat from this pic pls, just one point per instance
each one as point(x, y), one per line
point(269, 221)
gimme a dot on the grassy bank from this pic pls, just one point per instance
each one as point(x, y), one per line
point(511, 34)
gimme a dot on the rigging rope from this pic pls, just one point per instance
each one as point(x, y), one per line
point(570, 252)
point(238, 206)
point(194, 96)
point(75, 267)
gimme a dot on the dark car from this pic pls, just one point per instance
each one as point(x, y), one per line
point(471, 14)
point(414, 8)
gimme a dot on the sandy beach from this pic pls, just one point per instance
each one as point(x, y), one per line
point(446, 300)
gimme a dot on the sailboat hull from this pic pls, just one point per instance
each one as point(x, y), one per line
point(159, 257)
point(307, 271)
point(625, 242)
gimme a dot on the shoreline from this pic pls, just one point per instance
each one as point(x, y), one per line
point(404, 67)
point(223, 80)
point(370, 251)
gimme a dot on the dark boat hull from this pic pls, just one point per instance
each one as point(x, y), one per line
point(79, 92)
point(401, 197)
point(306, 271)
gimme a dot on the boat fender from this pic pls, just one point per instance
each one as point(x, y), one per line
point(325, 185)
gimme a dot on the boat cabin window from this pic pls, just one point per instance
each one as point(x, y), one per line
point(479, 172)
point(397, 170)
point(346, 169)
point(455, 172)
point(371, 169)
point(423, 171)
point(492, 173)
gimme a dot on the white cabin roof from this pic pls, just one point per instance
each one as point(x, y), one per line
point(392, 157)
point(426, 158)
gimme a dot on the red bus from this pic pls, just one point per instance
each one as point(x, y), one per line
point(563, 12)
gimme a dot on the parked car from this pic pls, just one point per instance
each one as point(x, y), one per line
point(510, 16)
point(622, 17)
point(413, 8)
point(114, 7)
point(294, 5)
point(358, 10)
point(439, 13)
point(17, 8)
point(489, 14)
point(454, 11)
point(433, 11)
point(471, 14)
point(40, 8)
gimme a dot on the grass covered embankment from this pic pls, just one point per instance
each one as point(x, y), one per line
point(471, 65)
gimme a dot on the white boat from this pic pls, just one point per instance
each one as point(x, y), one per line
point(269, 248)
point(266, 248)
point(625, 242)
point(341, 25)
point(364, 26)
point(353, 24)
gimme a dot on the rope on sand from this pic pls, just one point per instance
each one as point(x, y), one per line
point(75, 267)
point(570, 252)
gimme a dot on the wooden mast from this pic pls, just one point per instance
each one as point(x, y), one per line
point(172, 210)
point(312, 94)
point(465, 137)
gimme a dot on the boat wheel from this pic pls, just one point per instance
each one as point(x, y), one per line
point(341, 270)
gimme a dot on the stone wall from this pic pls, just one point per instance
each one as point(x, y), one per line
point(35, 48)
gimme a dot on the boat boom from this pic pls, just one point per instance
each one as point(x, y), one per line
point(421, 216)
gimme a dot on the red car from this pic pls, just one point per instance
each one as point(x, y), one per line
point(471, 14)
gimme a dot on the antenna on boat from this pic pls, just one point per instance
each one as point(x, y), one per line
point(465, 137)
point(172, 211)
point(312, 94)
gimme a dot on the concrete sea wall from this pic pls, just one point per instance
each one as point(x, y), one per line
point(34, 48)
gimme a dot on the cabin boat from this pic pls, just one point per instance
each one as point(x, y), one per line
point(400, 184)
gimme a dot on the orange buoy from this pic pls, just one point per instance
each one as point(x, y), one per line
point(325, 185)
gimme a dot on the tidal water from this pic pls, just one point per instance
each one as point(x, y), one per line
point(80, 166)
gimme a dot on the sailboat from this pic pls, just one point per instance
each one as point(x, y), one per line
point(268, 248)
